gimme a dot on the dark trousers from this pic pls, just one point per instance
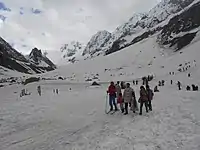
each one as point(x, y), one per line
point(112, 102)
point(126, 108)
point(141, 106)
point(150, 106)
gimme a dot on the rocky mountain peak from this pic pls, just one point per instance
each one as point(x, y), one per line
point(36, 54)
point(97, 42)
point(70, 49)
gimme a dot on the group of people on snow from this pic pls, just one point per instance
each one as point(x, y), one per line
point(128, 98)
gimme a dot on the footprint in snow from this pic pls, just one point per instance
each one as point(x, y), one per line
point(92, 113)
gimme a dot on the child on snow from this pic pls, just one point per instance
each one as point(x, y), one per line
point(120, 102)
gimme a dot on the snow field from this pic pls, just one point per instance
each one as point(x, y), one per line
point(75, 119)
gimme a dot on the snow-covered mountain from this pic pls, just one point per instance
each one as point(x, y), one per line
point(97, 42)
point(72, 51)
point(11, 59)
point(40, 60)
point(139, 27)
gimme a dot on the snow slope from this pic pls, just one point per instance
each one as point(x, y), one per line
point(75, 119)
point(138, 60)
point(136, 26)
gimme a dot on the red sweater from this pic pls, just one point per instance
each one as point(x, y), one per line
point(119, 100)
point(111, 90)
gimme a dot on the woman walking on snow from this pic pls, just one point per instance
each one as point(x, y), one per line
point(112, 95)
point(143, 99)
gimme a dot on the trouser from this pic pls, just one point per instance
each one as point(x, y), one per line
point(112, 102)
point(126, 108)
point(150, 106)
point(134, 106)
point(141, 106)
point(121, 107)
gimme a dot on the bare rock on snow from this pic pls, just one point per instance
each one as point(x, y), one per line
point(31, 80)
point(95, 84)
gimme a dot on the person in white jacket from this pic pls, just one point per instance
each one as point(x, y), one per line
point(128, 97)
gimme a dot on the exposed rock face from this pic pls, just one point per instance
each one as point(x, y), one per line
point(40, 60)
point(97, 42)
point(180, 30)
point(138, 28)
point(11, 59)
point(71, 49)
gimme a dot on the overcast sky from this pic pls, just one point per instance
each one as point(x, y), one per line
point(48, 24)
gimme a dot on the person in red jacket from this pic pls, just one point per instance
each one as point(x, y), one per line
point(112, 95)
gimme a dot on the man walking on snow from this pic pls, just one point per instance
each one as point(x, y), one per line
point(128, 97)
point(112, 95)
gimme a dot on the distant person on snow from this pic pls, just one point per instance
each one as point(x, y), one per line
point(188, 88)
point(143, 99)
point(156, 89)
point(120, 102)
point(136, 82)
point(56, 91)
point(159, 83)
point(179, 85)
point(118, 89)
point(129, 97)
point(39, 90)
point(150, 95)
point(112, 95)
point(163, 82)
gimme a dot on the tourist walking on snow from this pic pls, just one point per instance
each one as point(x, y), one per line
point(112, 95)
point(134, 104)
point(150, 95)
point(128, 96)
point(143, 99)
point(120, 102)
point(39, 90)
point(118, 89)
point(179, 85)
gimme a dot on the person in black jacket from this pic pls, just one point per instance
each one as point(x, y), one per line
point(150, 95)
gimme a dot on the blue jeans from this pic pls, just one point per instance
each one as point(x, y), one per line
point(112, 102)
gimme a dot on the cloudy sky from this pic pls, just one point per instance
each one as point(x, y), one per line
point(48, 24)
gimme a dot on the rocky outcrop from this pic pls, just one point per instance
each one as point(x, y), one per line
point(11, 59)
point(70, 49)
point(40, 60)
point(140, 26)
point(181, 29)
point(97, 43)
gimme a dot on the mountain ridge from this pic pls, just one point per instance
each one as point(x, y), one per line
point(12, 59)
